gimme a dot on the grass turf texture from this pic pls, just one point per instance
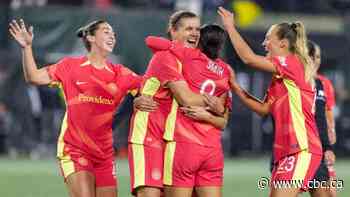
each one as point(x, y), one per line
point(41, 178)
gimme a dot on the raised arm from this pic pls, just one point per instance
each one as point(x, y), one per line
point(243, 50)
point(24, 38)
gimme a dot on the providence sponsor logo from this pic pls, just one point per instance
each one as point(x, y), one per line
point(95, 99)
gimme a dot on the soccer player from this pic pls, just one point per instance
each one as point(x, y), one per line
point(204, 72)
point(163, 80)
point(325, 102)
point(93, 88)
point(290, 100)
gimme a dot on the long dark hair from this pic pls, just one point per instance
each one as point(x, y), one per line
point(212, 40)
point(89, 30)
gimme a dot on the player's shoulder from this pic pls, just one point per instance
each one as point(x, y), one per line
point(324, 79)
point(293, 60)
point(122, 69)
point(164, 56)
point(286, 61)
point(226, 67)
point(75, 59)
point(222, 63)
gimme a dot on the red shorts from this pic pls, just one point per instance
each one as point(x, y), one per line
point(295, 171)
point(193, 165)
point(146, 165)
point(75, 161)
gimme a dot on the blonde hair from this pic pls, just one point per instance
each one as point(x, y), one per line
point(296, 35)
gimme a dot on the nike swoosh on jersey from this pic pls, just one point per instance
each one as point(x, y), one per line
point(81, 82)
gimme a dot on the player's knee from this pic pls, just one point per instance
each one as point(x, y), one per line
point(148, 192)
point(82, 193)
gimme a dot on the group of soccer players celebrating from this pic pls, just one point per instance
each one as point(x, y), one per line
point(183, 102)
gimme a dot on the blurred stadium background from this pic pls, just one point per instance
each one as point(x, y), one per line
point(30, 116)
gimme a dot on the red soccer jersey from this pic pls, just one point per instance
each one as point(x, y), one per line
point(92, 96)
point(148, 127)
point(329, 91)
point(203, 76)
point(292, 101)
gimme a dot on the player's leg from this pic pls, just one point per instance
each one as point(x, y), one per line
point(147, 191)
point(209, 191)
point(146, 169)
point(105, 178)
point(293, 174)
point(284, 192)
point(321, 176)
point(78, 173)
point(106, 192)
point(209, 177)
point(332, 177)
point(320, 192)
point(81, 184)
point(170, 191)
point(179, 169)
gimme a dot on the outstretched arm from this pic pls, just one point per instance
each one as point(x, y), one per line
point(24, 38)
point(260, 107)
point(243, 50)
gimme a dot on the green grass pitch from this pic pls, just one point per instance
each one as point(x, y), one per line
point(40, 178)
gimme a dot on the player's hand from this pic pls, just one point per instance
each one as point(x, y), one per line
point(233, 83)
point(332, 136)
point(227, 17)
point(196, 112)
point(214, 104)
point(145, 103)
point(20, 33)
point(329, 157)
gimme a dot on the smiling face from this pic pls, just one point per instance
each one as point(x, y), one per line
point(272, 43)
point(104, 38)
point(188, 31)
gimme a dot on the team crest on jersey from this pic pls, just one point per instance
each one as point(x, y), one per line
point(82, 161)
point(282, 60)
point(213, 67)
point(156, 174)
point(320, 93)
